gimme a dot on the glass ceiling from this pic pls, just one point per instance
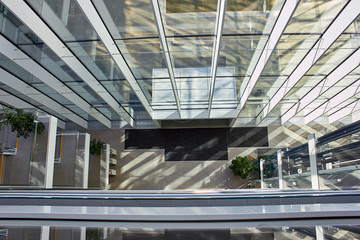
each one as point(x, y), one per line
point(151, 60)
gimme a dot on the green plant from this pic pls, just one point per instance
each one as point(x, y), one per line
point(96, 146)
point(269, 168)
point(20, 122)
point(40, 127)
point(241, 166)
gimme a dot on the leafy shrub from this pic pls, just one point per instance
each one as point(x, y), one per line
point(241, 166)
point(96, 146)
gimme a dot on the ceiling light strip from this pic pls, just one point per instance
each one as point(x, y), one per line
point(339, 25)
point(165, 49)
point(279, 27)
point(24, 88)
point(333, 102)
point(38, 26)
point(24, 61)
point(220, 18)
point(335, 76)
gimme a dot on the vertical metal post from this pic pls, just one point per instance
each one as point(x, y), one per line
point(45, 233)
point(279, 159)
point(313, 162)
point(262, 172)
point(50, 152)
point(86, 161)
point(319, 233)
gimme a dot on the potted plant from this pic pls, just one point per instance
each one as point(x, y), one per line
point(242, 166)
point(96, 146)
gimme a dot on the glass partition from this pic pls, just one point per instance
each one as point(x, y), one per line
point(23, 160)
point(266, 230)
point(70, 160)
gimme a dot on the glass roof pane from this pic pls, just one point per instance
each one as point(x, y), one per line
point(251, 16)
point(238, 52)
point(188, 18)
point(127, 18)
point(97, 59)
point(314, 16)
point(289, 51)
point(66, 18)
point(142, 56)
point(192, 52)
point(343, 47)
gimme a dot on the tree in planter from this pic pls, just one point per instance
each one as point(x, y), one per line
point(20, 122)
point(96, 146)
point(242, 166)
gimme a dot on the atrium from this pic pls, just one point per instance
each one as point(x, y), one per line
point(173, 91)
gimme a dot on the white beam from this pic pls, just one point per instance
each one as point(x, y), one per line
point(279, 27)
point(24, 61)
point(24, 88)
point(15, 102)
point(41, 29)
point(345, 111)
point(336, 100)
point(98, 25)
point(166, 52)
point(220, 18)
point(335, 76)
point(338, 26)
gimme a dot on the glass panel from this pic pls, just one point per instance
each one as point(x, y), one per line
point(251, 17)
point(188, 17)
point(182, 51)
point(66, 18)
point(69, 160)
point(296, 168)
point(343, 47)
point(142, 55)
point(238, 52)
point(290, 230)
point(23, 162)
point(97, 59)
point(314, 16)
point(288, 53)
point(128, 18)
point(338, 162)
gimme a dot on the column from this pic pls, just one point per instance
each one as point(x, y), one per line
point(280, 172)
point(313, 162)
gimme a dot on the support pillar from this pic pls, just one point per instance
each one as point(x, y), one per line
point(280, 172)
point(86, 161)
point(262, 173)
point(313, 162)
point(50, 152)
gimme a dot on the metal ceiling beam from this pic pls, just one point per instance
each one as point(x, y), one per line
point(100, 28)
point(41, 29)
point(166, 52)
point(24, 61)
point(285, 15)
point(335, 76)
point(334, 101)
point(24, 88)
point(352, 108)
point(219, 26)
point(338, 26)
point(15, 102)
